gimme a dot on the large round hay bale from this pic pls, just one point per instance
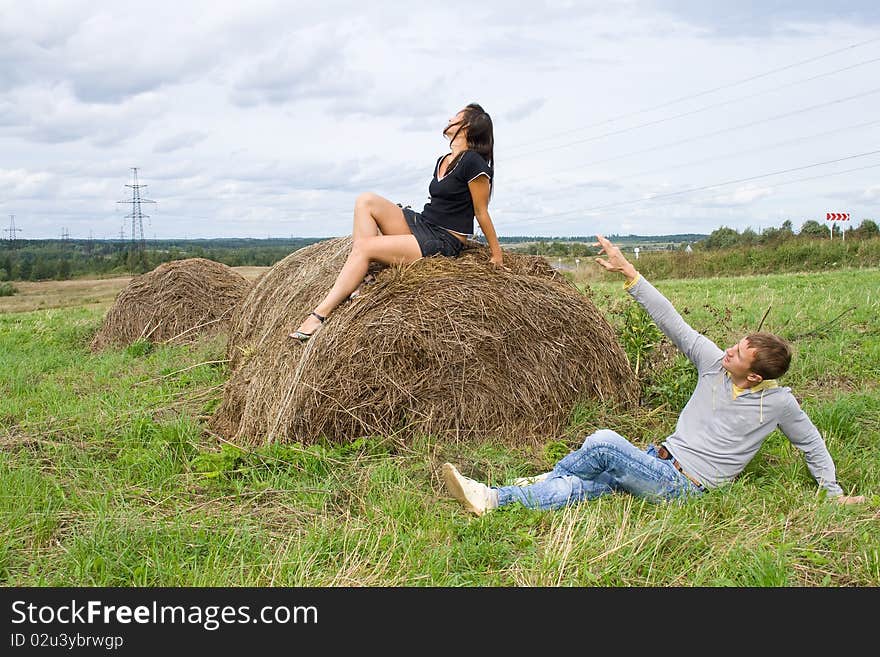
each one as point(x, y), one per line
point(178, 301)
point(440, 346)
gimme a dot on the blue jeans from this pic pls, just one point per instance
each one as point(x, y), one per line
point(605, 463)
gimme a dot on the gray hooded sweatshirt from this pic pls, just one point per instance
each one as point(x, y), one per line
point(719, 432)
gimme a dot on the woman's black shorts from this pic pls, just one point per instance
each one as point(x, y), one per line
point(432, 239)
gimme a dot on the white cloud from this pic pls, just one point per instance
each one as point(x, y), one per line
point(872, 193)
point(53, 114)
point(306, 64)
point(524, 110)
point(179, 141)
point(741, 196)
point(24, 184)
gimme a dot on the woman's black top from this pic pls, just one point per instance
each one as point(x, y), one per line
point(451, 205)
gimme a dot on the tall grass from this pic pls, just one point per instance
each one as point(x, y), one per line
point(108, 476)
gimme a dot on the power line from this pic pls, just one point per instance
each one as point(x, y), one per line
point(724, 156)
point(823, 175)
point(787, 142)
point(704, 93)
point(727, 182)
point(688, 113)
point(702, 136)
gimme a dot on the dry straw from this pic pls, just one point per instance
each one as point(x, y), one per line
point(179, 301)
point(442, 346)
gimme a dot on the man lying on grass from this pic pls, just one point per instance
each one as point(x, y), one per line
point(735, 406)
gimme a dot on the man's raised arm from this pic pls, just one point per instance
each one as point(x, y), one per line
point(699, 349)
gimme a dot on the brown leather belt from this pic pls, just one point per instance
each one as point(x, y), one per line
point(664, 455)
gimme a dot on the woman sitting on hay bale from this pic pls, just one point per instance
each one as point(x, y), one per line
point(386, 233)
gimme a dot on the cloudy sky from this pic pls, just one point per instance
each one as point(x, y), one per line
point(269, 118)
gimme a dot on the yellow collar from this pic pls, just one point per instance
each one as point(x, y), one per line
point(766, 384)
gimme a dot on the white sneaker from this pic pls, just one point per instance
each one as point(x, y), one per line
point(476, 497)
point(528, 481)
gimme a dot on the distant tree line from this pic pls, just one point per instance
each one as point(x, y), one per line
point(720, 238)
point(37, 260)
point(725, 238)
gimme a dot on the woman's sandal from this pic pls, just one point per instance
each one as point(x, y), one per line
point(302, 337)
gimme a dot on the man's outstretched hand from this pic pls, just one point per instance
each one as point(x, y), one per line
point(615, 260)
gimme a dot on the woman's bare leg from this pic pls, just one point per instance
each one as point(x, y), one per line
point(374, 214)
point(387, 249)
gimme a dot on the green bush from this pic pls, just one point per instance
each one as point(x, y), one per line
point(7, 289)
point(639, 335)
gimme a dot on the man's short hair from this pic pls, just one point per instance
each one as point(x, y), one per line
point(772, 355)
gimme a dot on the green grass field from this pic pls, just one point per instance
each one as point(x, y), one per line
point(109, 478)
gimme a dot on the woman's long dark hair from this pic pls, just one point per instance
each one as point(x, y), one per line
point(480, 137)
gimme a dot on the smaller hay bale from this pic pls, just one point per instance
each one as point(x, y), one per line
point(179, 301)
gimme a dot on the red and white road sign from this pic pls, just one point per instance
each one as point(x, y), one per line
point(837, 216)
